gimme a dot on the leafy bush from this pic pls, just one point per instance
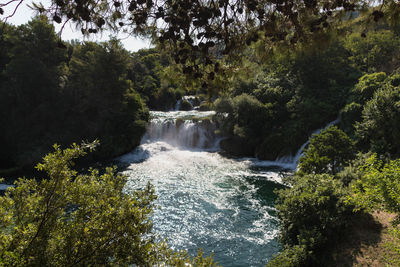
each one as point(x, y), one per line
point(353, 171)
point(350, 114)
point(379, 186)
point(294, 256)
point(73, 219)
point(185, 105)
point(206, 106)
point(378, 51)
point(328, 151)
point(164, 99)
point(312, 212)
point(367, 85)
point(379, 129)
point(251, 117)
point(224, 105)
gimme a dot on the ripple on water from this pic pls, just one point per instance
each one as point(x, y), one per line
point(207, 201)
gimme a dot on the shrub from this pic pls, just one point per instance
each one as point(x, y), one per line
point(72, 219)
point(367, 85)
point(350, 114)
point(379, 187)
point(328, 151)
point(311, 213)
point(185, 105)
point(295, 256)
point(379, 129)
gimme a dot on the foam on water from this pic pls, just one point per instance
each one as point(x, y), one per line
point(207, 201)
point(224, 206)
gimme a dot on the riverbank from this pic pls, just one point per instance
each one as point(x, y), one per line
point(371, 241)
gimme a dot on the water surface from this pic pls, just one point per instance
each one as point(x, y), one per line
point(224, 206)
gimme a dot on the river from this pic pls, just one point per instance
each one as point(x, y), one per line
point(222, 205)
point(208, 201)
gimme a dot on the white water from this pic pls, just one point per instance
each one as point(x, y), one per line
point(224, 206)
point(190, 99)
point(290, 162)
point(188, 132)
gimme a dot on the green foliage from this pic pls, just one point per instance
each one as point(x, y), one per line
point(206, 106)
point(328, 152)
point(251, 116)
point(75, 219)
point(165, 98)
point(185, 105)
point(104, 105)
point(312, 212)
point(31, 71)
point(51, 94)
point(353, 171)
point(224, 105)
point(81, 219)
point(350, 114)
point(244, 119)
point(393, 246)
point(379, 187)
point(367, 85)
point(294, 256)
point(159, 81)
point(379, 129)
point(301, 90)
point(377, 51)
point(362, 92)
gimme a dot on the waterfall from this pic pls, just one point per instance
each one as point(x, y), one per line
point(290, 162)
point(178, 104)
point(204, 198)
point(188, 129)
point(194, 130)
point(193, 100)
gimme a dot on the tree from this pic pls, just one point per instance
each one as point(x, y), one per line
point(211, 28)
point(244, 120)
point(375, 52)
point(379, 186)
point(103, 103)
point(379, 129)
point(86, 85)
point(362, 92)
point(72, 219)
point(29, 89)
point(312, 212)
point(328, 152)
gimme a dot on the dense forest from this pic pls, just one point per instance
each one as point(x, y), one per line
point(268, 100)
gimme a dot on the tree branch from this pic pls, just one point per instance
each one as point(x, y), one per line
point(2, 5)
point(15, 10)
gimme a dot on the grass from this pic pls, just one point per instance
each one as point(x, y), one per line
point(371, 241)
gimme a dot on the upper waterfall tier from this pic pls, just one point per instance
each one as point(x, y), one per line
point(188, 129)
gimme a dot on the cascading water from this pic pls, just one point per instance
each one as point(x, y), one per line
point(290, 162)
point(221, 205)
point(187, 129)
point(193, 100)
